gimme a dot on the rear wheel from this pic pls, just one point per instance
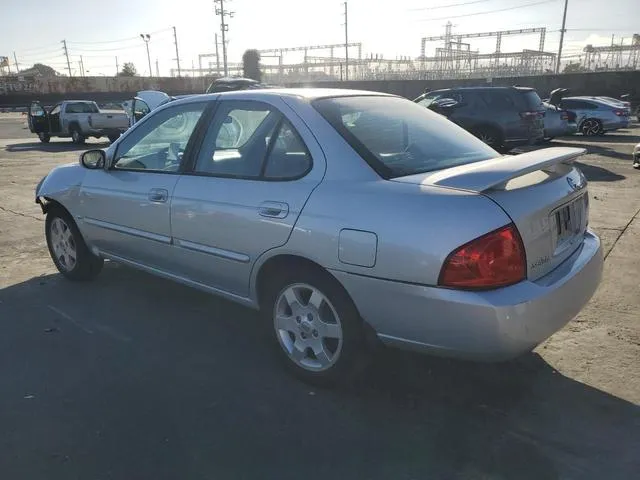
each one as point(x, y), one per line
point(488, 135)
point(67, 248)
point(317, 330)
point(591, 127)
point(76, 136)
point(44, 138)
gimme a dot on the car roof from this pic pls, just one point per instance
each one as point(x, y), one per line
point(309, 94)
point(523, 89)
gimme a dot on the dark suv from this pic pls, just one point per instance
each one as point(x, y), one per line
point(503, 117)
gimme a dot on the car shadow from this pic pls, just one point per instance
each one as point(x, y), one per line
point(619, 137)
point(599, 174)
point(191, 381)
point(594, 148)
point(53, 147)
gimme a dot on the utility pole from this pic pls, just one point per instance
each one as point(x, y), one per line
point(346, 42)
point(562, 30)
point(81, 66)
point(145, 38)
point(217, 57)
point(15, 59)
point(117, 66)
point(66, 54)
point(157, 69)
point(224, 27)
point(175, 40)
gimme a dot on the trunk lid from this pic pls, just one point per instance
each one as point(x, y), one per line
point(542, 192)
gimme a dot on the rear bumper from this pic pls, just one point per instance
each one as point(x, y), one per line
point(616, 124)
point(491, 325)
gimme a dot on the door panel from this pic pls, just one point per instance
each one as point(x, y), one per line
point(126, 208)
point(38, 119)
point(253, 175)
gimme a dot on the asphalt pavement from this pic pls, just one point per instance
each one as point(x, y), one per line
point(134, 377)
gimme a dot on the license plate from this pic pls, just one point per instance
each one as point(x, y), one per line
point(569, 220)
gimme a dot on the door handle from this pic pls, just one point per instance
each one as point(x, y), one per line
point(158, 195)
point(273, 209)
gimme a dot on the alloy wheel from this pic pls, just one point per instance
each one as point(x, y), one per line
point(63, 243)
point(308, 327)
point(590, 127)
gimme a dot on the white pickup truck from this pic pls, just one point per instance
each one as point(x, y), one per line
point(78, 119)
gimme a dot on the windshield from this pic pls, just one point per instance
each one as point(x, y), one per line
point(398, 137)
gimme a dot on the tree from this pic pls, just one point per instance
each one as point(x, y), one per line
point(251, 64)
point(40, 69)
point(574, 68)
point(128, 70)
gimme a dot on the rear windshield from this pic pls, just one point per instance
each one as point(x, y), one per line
point(532, 100)
point(398, 137)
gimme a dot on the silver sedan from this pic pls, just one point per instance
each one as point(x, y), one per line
point(346, 217)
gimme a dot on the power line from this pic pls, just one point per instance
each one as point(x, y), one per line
point(438, 7)
point(449, 17)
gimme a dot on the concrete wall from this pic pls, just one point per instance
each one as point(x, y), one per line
point(611, 84)
point(20, 91)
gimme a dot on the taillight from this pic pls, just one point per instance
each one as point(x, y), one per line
point(494, 260)
point(620, 113)
point(564, 116)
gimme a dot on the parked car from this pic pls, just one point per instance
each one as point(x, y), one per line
point(502, 117)
point(346, 217)
point(636, 156)
point(594, 116)
point(558, 122)
point(78, 119)
point(143, 102)
point(616, 101)
point(228, 84)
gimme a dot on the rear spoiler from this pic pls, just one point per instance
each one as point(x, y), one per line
point(496, 172)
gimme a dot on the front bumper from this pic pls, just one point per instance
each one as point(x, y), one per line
point(488, 325)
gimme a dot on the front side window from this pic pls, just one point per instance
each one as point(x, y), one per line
point(252, 140)
point(398, 137)
point(159, 142)
point(55, 110)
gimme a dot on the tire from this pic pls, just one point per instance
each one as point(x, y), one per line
point(113, 138)
point(321, 346)
point(44, 138)
point(591, 127)
point(489, 135)
point(64, 240)
point(76, 135)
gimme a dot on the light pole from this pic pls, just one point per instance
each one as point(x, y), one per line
point(145, 38)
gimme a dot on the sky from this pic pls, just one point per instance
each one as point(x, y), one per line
point(100, 31)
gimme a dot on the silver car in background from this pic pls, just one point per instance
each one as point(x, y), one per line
point(595, 116)
point(346, 217)
point(558, 122)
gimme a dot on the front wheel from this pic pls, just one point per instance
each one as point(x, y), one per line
point(67, 248)
point(44, 138)
point(318, 332)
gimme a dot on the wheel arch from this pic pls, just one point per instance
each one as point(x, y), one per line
point(294, 261)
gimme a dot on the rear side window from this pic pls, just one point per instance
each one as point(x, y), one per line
point(532, 100)
point(398, 137)
point(498, 100)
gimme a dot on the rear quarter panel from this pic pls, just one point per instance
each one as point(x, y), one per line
point(416, 226)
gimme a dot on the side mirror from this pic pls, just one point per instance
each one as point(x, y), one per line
point(93, 159)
